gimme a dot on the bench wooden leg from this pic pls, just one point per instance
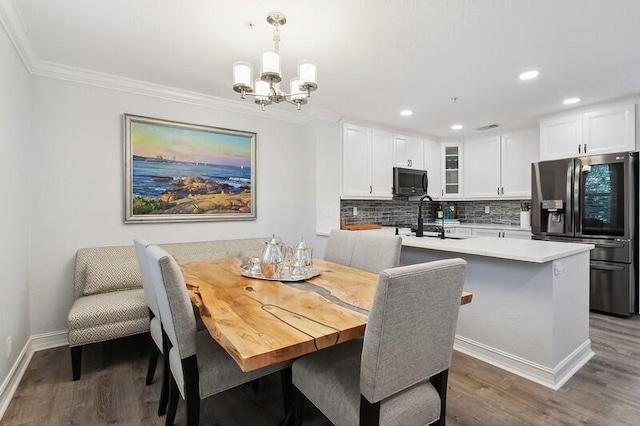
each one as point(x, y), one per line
point(76, 361)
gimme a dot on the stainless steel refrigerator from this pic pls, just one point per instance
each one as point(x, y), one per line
point(593, 199)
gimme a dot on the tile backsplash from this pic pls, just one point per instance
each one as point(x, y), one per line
point(401, 211)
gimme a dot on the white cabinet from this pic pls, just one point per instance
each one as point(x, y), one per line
point(432, 163)
point(366, 163)
point(609, 130)
point(500, 233)
point(408, 152)
point(517, 151)
point(482, 168)
point(381, 167)
point(451, 170)
point(600, 131)
point(500, 166)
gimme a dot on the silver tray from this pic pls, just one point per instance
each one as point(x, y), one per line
point(286, 276)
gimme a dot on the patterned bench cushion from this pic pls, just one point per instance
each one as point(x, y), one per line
point(106, 316)
point(112, 275)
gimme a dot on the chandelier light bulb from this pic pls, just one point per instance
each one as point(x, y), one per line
point(271, 66)
point(262, 89)
point(242, 76)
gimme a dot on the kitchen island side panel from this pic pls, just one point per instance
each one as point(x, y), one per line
point(523, 318)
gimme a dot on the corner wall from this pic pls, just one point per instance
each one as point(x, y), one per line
point(77, 186)
point(15, 126)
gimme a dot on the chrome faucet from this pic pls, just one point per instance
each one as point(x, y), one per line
point(420, 221)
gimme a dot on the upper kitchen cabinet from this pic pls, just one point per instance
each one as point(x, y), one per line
point(366, 163)
point(482, 167)
point(408, 152)
point(432, 163)
point(500, 166)
point(517, 151)
point(451, 170)
point(604, 130)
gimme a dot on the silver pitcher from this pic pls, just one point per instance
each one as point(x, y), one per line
point(303, 255)
point(272, 258)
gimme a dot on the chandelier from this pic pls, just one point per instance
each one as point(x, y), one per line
point(266, 89)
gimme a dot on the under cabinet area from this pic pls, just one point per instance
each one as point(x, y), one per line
point(367, 168)
point(500, 166)
point(604, 130)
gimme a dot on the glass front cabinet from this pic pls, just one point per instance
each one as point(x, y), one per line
point(451, 175)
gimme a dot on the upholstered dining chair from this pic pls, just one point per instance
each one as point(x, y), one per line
point(199, 366)
point(363, 250)
point(340, 246)
point(374, 252)
point(155, 325)
point(396, 375)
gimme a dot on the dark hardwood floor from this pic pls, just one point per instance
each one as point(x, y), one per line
point(606, 391)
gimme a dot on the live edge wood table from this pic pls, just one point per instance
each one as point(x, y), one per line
point(261, 322)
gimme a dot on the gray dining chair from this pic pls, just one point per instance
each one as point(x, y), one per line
point(199, 366)
point(363, 250)
point(155, 326)
point(396, 375)
point(340, 246)
point(374, 252)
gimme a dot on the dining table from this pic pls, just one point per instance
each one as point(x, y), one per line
point(260, 321)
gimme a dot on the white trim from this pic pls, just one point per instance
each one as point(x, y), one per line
point(34, 344)
point(553, 378)
point(10, 384)
point(49, 340)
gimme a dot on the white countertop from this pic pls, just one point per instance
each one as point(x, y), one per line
point(502, 248)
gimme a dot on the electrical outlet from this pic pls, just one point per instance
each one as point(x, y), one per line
point(9, 342)
point(355, 211)
point(487, 209)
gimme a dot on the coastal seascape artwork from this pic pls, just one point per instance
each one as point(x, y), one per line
point(178, 172)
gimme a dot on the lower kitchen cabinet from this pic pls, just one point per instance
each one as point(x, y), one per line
point(501, 233)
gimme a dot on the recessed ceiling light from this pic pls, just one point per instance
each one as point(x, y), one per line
point(406, 112)
point(456, 127)
point(528, 75)
point(571, 101)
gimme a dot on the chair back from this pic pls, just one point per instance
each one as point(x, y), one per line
point(411, 326)
point(340, 246)
point(374, 252)
point(146, 275)
point(176, 312)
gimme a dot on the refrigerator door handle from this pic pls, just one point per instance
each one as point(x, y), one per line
point(607, 267)
point(568, 198)
point(577, 170)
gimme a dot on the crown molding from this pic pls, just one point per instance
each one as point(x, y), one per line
point(18, 33)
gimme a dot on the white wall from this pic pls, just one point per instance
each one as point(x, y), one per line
point(15, 125)
point(77, 185)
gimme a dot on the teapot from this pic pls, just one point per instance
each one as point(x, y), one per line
point(303, 254)
point(271, 258)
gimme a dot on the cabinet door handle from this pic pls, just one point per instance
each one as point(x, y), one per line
point(498, 190)
point(585, 148)
point(579, 147)
point(370, 189)
point(502, 190)
point(442, 192)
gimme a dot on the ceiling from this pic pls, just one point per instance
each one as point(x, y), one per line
point(375, 57)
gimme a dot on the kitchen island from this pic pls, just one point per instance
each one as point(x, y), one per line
point(530, 310)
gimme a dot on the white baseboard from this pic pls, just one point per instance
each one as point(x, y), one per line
point(552, 378)
point(34, 344)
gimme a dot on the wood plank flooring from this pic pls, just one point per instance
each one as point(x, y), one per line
point(111, 391)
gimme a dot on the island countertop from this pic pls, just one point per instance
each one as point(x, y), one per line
point(502, 248)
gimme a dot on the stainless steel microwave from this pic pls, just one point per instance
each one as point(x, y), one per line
point(409, 181)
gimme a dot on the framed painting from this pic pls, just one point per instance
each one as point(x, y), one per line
point(178, 172)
